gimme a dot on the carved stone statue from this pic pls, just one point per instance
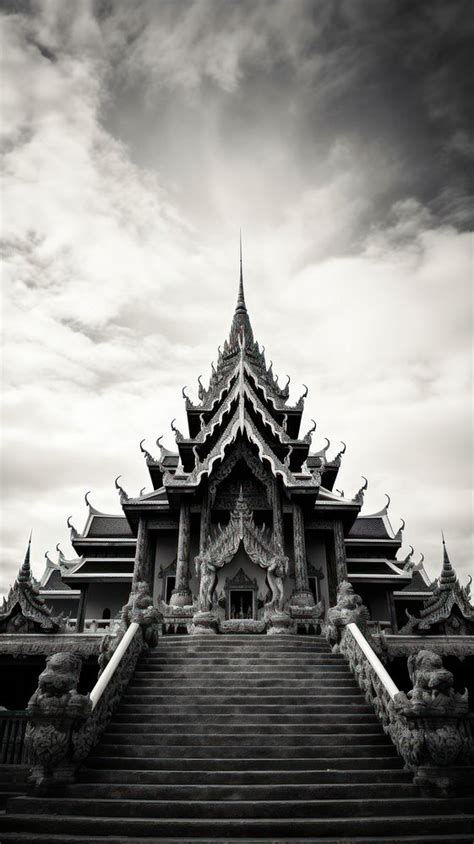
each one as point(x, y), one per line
point(276, 572)
point(54, 709)
point(206, 572)
point(430, 725)
point(433, 688)
point(349, 608)
point(140, 610)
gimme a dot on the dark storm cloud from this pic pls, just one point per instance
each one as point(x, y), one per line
point(390, 80)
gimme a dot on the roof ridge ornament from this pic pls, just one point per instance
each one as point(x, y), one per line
point(123, 495)
point(408, 564)
point(146, 453)
point(359, 496)
point(303, 396)
point(71, 527)
point(341, 452)
point(309, 436)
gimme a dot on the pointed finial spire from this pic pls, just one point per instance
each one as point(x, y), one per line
point(25, 571)
point(241, 298)
point(448, 576)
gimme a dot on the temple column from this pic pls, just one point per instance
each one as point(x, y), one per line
point(340, 552)
point(143, 567)
point(81, 610)
point(181, 595)
point(277, 515)
point(303, 596)
point(205, 523)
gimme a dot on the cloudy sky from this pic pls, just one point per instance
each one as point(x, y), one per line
point(137, 137)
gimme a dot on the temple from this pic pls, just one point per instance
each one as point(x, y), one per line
point(243, 523)
point(240, 653)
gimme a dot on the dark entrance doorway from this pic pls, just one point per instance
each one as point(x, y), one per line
point(241, 603)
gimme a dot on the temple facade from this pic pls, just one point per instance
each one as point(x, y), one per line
point(244, 529)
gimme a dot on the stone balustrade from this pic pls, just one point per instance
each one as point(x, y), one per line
point(430, 726)
point(64, 725)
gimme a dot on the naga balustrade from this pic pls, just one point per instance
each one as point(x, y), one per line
point(13, 749)
point(430, 726)
point(64, 725)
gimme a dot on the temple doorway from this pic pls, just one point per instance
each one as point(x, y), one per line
point(241, 603)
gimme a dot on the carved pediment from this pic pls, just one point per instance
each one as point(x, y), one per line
point(242, 451)
point(228, 492)
point(258, 542)
point(241, 580)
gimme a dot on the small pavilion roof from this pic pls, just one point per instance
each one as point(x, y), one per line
point(447, 594)
point(374, 525)
point(102, 525)
point(24, 610)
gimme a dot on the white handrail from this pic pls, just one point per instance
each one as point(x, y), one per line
point(373, 659)
point(112, 666)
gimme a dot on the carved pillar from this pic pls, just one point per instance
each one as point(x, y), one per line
point(303, 596)
point(340, 552)
point(81, 610)
point(205, 519)
point(181, 595)
point(143, 567)
point(277, 514)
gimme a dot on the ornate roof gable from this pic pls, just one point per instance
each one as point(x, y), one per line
point(24, 610)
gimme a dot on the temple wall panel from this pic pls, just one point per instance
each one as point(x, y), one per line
point(376, 600)
point(317, 559)
point(103, 596)
point(165, 555)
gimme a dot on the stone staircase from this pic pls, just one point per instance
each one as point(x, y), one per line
point(245, 739)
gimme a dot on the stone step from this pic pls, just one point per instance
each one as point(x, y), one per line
point(126, 711)
point(268, 673)
point(210, 725)
point(247, 640)
point(203, 720)
point(233, 792)
point(251, 684)
point(207, 651)
point(357, 763)
point(255, 751)
point(245, 739)
point(305, 776)
point(64, 838)
point(206, 695)
point(238, 809)
point(247, 662)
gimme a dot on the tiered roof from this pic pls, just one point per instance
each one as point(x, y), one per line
point(242, 401)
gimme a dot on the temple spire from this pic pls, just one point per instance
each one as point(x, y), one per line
point(25, 570)
point(240, 306)
point(448, 576)
point(241, 327)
